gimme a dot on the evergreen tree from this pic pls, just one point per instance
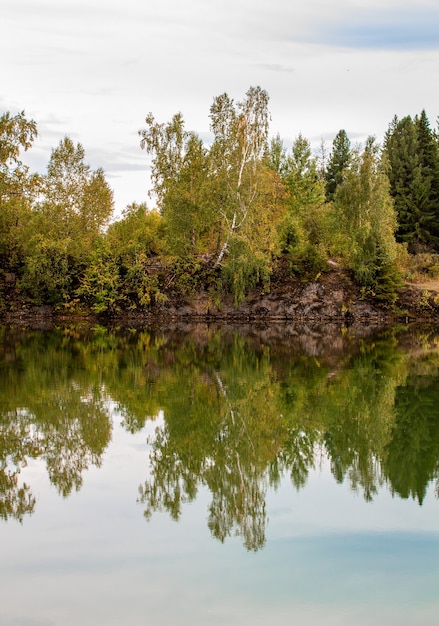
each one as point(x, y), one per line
point(277, 156)
point(428, 150)
point(412, 167)
point(366, 223)
point(338, 163)
point(302, 177)
point(303, 223)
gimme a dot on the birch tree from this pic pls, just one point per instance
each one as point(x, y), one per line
point(240, 140)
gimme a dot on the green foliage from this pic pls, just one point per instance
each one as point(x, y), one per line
point(100, 280)
point(238, 203)
point(187, 205)
point(74, 206)
point(240, 142)
point(184, 274)
point(17, 188)
point(338, 164)
point(75, 199)
point(421, 267)
point(139, 231)
point(48, 273)
point(244, 268)
point(276, 156)
point(136, 241)
point(366, 220)
point(302, 230)
point(412, 159)
point(17, 134)
point(292, 235)
point(302, 178)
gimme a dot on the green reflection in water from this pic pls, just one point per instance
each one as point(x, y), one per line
point(240, 411)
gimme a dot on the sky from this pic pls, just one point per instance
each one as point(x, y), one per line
point(93, 70)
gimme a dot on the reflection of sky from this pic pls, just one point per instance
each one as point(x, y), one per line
point(330, 557)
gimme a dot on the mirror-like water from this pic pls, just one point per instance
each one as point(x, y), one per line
point(281, 476)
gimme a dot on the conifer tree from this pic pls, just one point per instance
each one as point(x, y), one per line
point(339, 161)
point(366, 221)
point(428, 150)
point(411, 159)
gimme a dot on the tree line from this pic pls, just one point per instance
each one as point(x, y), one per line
point(226, 212)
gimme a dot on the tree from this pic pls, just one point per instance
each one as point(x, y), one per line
point(302, 176)
point(76, 203)
point(412, 162)
point(253, 247)
point(338, 163)
point(136, 241)
point(17, 134)
point(74, 195)
point(17, 187)
point(366, 223)
point(276, 156)
point(100, 279)
point(322, 158)
point(212, 200)
point(180, 175)
point(428, 149)
point(240, 142)
point(302, 226)
point(188, 204)
point(166, 144)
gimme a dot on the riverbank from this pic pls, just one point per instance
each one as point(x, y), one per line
point(332, 297)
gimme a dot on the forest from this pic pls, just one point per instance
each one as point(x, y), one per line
point(225, 214)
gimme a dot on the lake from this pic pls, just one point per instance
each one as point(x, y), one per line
point(213, 475)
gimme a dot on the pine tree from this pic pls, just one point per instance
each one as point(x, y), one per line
point(428, 150)
point(412, 160)
point(338, 163)
point(366, 220)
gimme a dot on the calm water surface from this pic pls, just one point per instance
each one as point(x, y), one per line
point(279, 476)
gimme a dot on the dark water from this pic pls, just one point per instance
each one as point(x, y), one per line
point(218, 476)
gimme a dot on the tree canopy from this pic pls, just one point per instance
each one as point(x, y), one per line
point(229, 210)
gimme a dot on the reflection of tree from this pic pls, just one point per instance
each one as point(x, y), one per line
point(297, 456)
point(238, 416)
point(174, 481)
point(232, 425)
point(52, 408)
point(238, 502)
point(75, 430)
point(222, 430)
point(358, 416)
point(15, 500)
point(411, 458)
point(16, 445)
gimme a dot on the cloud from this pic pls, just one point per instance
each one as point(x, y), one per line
point(403, 29)
point(276, 67)
point(92, 71)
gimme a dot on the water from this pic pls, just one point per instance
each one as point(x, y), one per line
point(281, 476)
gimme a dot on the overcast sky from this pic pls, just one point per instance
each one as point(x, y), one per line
point(93, 69)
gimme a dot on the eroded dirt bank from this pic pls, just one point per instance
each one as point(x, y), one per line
point(331, 300)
